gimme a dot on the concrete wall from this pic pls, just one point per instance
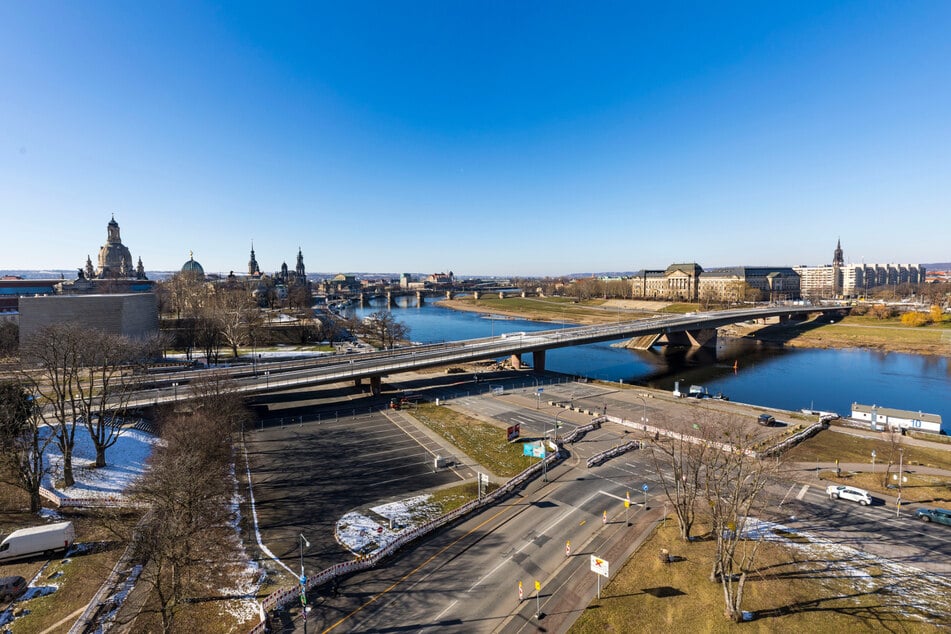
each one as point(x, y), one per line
point(133, 315)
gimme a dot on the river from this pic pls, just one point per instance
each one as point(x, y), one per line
point(785, 378)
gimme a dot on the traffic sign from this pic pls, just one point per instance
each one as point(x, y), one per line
point(604, 517)
point(644, 488)
point(538, 585)
point(303, 580)
point(568, 548)
point(519, 590)
point(627, 500)
point(599, 566)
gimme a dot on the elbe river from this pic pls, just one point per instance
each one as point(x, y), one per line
point(785, 378)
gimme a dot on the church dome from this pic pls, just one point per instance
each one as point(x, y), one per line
point(192, 266)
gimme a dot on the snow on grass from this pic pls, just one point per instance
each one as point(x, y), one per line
point(362, 534)
point(125, 462)
point(918, 593)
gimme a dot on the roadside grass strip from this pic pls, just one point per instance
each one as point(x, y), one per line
point(800, 582)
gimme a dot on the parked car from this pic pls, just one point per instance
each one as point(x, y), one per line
point(766, 420)
point(941, 516)
point(837, 491)
point(11, 587)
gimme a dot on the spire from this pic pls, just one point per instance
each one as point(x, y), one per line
point(301, 274)
point(837, 257)
point(253, 268)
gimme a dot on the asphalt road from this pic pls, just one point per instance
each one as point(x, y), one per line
point(465, 579)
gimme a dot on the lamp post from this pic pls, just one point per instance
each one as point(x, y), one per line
point(175, 390)
point(901, 476)
point(303, 581)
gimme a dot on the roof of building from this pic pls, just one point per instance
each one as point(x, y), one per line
point(192, 265)
point(897, 413)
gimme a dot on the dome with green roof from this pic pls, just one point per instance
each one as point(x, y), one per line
point(192, 266)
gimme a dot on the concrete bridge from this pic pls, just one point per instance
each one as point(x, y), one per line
point(391, 296)
point(696, 329)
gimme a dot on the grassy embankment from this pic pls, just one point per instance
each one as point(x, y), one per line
point(797, 585)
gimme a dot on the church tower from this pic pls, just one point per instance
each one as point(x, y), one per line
point(838, 261)
point(837, 258)
point(253, 268)
point(301, 274)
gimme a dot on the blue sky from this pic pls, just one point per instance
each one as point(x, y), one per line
point(523, 138)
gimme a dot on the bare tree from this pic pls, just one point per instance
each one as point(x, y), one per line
point(51, 358)
point(734, 481)
point(893, 448)
point(9, 338)
point(687, 458)
point(236, 313)
point(103, 386)
point(188, 489)
point(383, 328)
point(22, 442)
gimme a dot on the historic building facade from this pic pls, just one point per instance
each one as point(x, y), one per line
point(115, 259)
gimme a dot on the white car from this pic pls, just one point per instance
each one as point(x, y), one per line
point(837, 491)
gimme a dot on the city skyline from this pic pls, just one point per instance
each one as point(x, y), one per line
point(484, 138)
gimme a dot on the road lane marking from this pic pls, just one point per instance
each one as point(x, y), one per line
point(802, 492)
point(448, 607)
point(528, 542)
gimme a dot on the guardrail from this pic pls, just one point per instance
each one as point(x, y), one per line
point(604, 456)
point(281, 598)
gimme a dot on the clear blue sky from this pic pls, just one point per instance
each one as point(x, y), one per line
point(525, 138)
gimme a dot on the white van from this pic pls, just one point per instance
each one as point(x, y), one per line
point(38, 540)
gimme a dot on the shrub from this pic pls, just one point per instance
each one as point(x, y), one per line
point(915, 319)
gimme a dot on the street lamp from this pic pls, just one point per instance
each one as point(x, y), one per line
point(303, 581)
point(175, 390)
point(901, 476)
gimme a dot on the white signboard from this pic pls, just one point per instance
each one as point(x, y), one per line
point(599, 566)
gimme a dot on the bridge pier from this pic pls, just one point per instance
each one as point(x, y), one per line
point(420, 298)
point(476, 295)
point(448, 294)
point(362, 299)
point(358, 383)
point(524, 293)
point(389, 300)
point(538, 361)
point(376, 383)
point(516, 360)
point(501, 295)
point(700, 338)
point(645, 342)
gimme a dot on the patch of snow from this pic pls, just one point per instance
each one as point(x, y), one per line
point(361, 534)
point(125, 462)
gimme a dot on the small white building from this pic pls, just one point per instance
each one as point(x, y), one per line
point(885, 417)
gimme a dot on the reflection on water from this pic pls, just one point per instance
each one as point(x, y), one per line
point(787, 378)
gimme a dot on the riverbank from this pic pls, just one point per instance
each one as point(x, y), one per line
point(888, 335)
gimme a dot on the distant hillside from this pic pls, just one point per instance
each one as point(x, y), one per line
point(938, 266)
